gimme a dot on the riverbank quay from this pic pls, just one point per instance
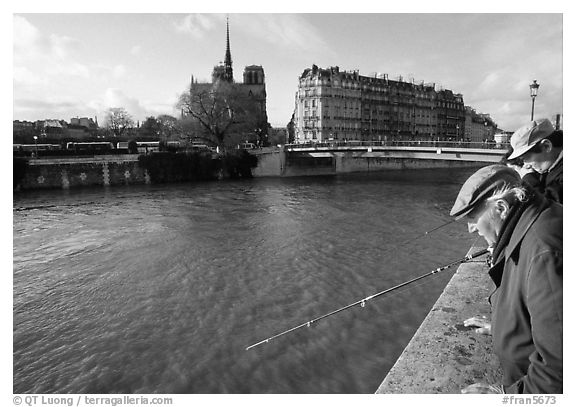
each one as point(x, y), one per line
point(129, 169)
point(106, 170)
point(444, 356)
point(72, 172)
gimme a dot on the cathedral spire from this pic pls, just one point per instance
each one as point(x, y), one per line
point(228, 75)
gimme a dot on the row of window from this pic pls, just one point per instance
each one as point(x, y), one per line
point(375, 115)
point(385, 91)
point(356, 102)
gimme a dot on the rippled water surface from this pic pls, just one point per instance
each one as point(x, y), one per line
point(160, 289)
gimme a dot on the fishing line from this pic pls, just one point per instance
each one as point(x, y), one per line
point(363, 301)
point(421, 235)
point(413, 239)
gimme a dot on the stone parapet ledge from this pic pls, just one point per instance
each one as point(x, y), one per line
point(444, 356)
point(84, 160)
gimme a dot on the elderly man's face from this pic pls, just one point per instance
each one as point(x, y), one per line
point(486, 222)
point(539, 161)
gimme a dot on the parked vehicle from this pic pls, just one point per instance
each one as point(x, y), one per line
point(90, 145)
point(246, 146)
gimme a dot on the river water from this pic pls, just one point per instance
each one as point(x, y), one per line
point(160, 288)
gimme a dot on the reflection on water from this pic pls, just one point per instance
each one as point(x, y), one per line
point(159, 289)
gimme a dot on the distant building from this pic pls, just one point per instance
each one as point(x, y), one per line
point(86, 122)
point(23, 132)
point(82, 128)
point(501, 139)
point(344, 105)
point(22, 127)
point(479, 127)
point(51, 128)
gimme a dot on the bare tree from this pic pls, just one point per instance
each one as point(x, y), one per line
point(221, 108)
point(168, 126)
point(118, 120)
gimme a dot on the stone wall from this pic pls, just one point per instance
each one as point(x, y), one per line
point(444, 356)
point(79, 172)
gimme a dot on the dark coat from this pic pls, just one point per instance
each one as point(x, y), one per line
point(549, 184)
point(527, 303)
point(553, 181)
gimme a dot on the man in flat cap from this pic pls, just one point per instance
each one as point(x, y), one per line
point(539, 146)
point(524, 230)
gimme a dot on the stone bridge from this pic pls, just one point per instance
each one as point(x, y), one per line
point(365, 156)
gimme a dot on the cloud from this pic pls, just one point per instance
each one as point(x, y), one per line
point(119, 71)
point(24, 77)
point(47, 66)
point(114, 97)
point(286, 31)
point(136, 50)
point(42, 61)
point(196, 25)
point(31, 46)
point(52, 104)
point(139, 110)
point(69, 70)
point(49, 107)
point(25, 34)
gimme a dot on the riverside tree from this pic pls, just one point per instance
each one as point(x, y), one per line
point(163, 127)
point(118, 121)
point(222, 109)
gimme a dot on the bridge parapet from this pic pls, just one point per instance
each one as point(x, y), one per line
point(358, 144)
point(446, 153)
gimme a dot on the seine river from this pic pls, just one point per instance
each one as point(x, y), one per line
point(160, 289)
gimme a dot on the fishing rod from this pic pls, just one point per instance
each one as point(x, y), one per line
point(363, 301)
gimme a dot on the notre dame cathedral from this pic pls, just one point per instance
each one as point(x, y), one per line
point(253, 85)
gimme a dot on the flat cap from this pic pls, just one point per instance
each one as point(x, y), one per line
point(481, 185)
point(527, 136)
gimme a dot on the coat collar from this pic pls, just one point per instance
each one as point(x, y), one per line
point(557, 162)
point(527, 218)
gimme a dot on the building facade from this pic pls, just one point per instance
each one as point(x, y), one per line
point(479, 127)
point(87, 122)
point(343, 105)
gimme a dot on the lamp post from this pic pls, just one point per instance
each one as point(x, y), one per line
point(36, 145)
point(533, 93)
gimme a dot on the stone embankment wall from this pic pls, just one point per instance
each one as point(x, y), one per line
point(444, 356)
point(78, 172)
point(125, 170)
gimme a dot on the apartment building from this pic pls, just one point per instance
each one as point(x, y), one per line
point(343, 105)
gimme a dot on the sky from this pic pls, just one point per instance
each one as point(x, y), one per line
point(69, 65)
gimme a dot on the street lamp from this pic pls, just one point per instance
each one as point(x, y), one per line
point(36, 145)
point(533, 93)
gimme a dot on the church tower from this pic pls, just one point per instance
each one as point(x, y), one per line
point(223, 71)
point(228, 75)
